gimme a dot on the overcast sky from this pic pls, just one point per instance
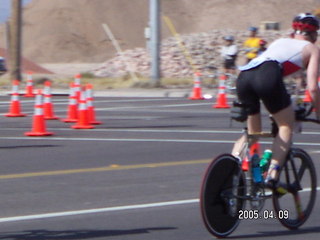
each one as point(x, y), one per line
point(5, 9)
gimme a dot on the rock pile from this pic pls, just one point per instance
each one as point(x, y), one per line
point(203, 49)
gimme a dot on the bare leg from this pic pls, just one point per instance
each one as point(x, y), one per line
point(236, 151)
point(282, 142)
point(254, 123)
point(254, 126)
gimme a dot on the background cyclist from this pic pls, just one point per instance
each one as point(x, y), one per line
point(251, 44)
point(229, 54)
point(262, 79)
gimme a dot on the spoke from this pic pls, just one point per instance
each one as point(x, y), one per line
point(287, 175)
point(298, 205)
point(302, 170)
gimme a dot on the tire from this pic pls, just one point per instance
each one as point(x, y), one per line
point(216, 185)
point(297, 203)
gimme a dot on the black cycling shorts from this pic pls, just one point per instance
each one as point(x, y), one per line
point(264, 82)
point(229, 63)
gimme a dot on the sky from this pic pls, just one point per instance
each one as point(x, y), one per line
point(5, 9)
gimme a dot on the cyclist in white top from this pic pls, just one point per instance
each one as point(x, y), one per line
point(229, 54)
point(262, 79)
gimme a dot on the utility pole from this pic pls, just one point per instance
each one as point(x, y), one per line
point(155, 42)
point(15, 34)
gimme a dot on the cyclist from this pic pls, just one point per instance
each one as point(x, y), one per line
point(229, 54)
point(2, 66)
point(262, 79)
point(252, 44)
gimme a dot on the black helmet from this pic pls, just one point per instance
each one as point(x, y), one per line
point(305, 22)
point(228, 38)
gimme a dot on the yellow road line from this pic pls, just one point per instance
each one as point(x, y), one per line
point(102, 169)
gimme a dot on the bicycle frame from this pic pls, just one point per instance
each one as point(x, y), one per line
point(244, 155)
point(255, 193)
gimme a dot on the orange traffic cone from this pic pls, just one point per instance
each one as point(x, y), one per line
point(307, 96)
point(15, 109)
point(29, 87)
point(83, 116)
point(47, 105)
point(197, 91)
point(222, 100)
point(77, 86)
point(38, 126)
point(73, 106)
point(91, 110)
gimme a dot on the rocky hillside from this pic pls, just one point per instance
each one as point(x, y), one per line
point(204, 49)
point(70, 31)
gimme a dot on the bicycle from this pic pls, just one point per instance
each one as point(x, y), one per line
point(227, 186)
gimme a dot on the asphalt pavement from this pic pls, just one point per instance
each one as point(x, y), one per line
point(135, 176)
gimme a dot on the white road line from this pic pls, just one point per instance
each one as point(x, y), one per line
point(65, 101)
point(107, 209)
point(139, 130)
point(152, 130)
point(130, 100)
point(118, 139)
point(314, 152)
point(152, 107)
point(97, 210)
point(143, 140)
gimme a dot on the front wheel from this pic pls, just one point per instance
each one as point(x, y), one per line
point(299, 178)
point(222, 195)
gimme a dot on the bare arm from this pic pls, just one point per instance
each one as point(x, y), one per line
point(312, 53)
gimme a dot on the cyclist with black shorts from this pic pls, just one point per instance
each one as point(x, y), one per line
point(229, 54)
point(262, 79)
point(2, 66)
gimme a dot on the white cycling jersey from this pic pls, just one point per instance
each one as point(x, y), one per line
point(286, 51)
point(229, 52)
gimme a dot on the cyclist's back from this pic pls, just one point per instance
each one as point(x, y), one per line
point(286, 51)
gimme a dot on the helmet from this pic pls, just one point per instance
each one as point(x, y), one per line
point(253, 29)
point(262, 42)
point(229, 38)
point(305, 22)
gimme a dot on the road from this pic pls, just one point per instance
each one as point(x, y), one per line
point(136, 176)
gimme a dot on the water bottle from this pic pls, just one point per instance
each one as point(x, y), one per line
point(256, 170)
point(265, 160)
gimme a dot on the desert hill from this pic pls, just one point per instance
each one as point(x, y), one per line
point(70, 31)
